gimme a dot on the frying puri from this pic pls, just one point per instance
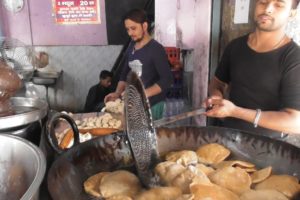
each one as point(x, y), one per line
point(184, 157)
point(119, 182)
point(261, 175)
point(91, 185)
point(215, 192)
point(287, 185)
point(232, 178)
point(263, 195)
point(212, 153)
point(160, 193)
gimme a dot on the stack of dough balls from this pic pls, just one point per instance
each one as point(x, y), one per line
point(102, 121)
point(116, 106)
point(204, 174)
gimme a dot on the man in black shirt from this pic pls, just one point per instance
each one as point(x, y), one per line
point(95, 98)
point(260, 73)
point(151, 57)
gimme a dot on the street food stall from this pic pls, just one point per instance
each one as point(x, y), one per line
point(138, 154)
point(51, 149)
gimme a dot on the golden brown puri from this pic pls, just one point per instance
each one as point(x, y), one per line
point(235, 163)
point(119, 197)
point(186, 197)
point(91, 185)
point(287, 185)
point(261, 175)
point(168, 170)
point(184, 157)
point(205, 169)
point(234, 179)
point(189, 176)
point(212, 191)
point(119, 182)
point(160, 193)
point(212, 153)
point(263, 195)
point(186, 180)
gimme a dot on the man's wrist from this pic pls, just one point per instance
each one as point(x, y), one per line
point(257, 117)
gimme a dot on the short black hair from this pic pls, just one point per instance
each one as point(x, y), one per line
point(104, 74)
point(136, 15)
point(295, 4)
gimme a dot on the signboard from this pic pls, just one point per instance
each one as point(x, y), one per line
point(76, 11)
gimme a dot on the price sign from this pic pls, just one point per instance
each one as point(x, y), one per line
point(76, 11)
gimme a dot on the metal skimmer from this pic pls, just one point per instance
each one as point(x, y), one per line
point(139, 127)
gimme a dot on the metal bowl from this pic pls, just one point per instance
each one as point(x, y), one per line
point(22, 168)
point(27, 110)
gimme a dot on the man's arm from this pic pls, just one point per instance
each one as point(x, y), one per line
point(286, 120)
point(217, 88)
point(153, 90)
point(162, 66)
point(121, 87)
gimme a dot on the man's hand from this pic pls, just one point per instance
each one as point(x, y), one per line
point(111, 97)
point(118, 92)
point(219, 107)
point(207, 103)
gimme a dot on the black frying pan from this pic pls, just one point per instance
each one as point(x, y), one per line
point(108, 153)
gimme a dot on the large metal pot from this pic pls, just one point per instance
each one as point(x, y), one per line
point(30, 132)
point(107, 153)
point(22, 168)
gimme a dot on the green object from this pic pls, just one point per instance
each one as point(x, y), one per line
point(157, 110)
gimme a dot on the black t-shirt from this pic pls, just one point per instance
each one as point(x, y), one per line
point(269, 80)
point(95, 98)
point(155, 67)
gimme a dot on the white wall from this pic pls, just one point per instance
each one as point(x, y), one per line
point(293, 28)
point(81, 66)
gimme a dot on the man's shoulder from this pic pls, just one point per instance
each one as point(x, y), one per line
point(155, 43)
point(94, 87)
point(237, 44)
point(241, 39)
point(292, 49)
point(293, 45)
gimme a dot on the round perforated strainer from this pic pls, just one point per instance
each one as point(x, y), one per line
point(139, 127)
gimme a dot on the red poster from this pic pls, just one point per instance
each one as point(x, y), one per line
point(76, 11)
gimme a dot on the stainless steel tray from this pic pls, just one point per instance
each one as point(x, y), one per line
point(27, 110)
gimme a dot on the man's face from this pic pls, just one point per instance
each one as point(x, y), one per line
point(135, 30)
point(106, 82)
point(271, 15)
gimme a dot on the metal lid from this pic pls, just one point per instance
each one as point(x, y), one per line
point(27, 110)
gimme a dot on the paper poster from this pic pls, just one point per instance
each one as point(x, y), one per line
point(76, 11)
point(241, 11)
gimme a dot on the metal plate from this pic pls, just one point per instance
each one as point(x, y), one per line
point(47, 74)
point(27, 110)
